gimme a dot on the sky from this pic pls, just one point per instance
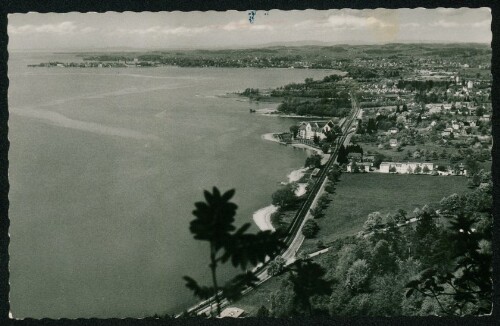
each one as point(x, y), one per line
point(233, 29)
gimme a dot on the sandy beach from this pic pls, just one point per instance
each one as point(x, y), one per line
point(262, 217)
point(296, 175)
point(301, 190)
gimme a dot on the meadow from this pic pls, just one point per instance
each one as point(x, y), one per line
point(357, 195)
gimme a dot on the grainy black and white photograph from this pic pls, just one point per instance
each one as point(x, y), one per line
point(234, 164)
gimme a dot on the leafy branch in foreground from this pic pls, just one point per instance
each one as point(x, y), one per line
point(307, 278)
point(214, 223)
point(470, 283)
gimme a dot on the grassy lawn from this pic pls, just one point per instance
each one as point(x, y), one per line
point(357, 195)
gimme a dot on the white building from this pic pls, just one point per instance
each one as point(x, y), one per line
point(328, 126)
point(405, 168)
point(309, 130)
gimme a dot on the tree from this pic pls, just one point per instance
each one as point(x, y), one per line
point(214, 223)
point(276, 266)
point(357, 276)
point(418, 169)
point(330, 136)
point(383, 261)
point(310, 229)
point(471, 165)
point(426, 169)
point(313, 161)
point(325, 148)
point(285, 196)
point(475, 181)
point(371, 126)
point(401, 216)
point(330, 187)
point(307, 279)
point(470, 283)
point(392, 169)
point(294, 130)
point(323, 201)
point(342, 155)
point(354, 167)
point(283, 300)
point(451, 204)
point(334, 173)
point(316, 212)
point(379, 158)
point(263, 312)
point(373, 222)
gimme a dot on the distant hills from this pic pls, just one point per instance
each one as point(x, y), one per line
point(296, 44)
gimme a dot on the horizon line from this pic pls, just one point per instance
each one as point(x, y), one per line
point(291, 44)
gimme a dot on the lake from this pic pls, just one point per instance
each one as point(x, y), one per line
point(105, 167)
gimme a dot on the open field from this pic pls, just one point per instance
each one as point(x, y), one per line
point(357, 195)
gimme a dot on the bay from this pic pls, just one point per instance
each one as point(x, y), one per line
point(105, 167)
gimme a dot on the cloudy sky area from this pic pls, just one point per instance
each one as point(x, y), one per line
point(170, 30)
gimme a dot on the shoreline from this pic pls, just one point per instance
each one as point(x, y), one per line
point(262, 217)
point(296, 175)
point(269, 113)
point(270, 137)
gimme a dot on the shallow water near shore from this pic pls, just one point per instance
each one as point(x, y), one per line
point(105, 167)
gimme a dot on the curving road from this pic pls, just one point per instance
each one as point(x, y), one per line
point(295, 238)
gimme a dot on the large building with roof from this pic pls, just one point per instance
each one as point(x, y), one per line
point(406, 168)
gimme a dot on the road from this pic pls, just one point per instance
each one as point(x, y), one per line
point(295, 238)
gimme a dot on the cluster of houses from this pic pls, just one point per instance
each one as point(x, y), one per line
point(364, 163)
point(359, 162)
point(403, 168)
point(419, 168)
point(460, 108)
point(463, 128)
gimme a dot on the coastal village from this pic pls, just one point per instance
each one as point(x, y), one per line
point(426, 123)
point(294, 165)
point(431, 121)
point(393, 138)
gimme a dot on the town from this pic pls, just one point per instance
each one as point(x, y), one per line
point(419, 138)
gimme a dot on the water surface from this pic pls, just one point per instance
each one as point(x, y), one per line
point(105, 166)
